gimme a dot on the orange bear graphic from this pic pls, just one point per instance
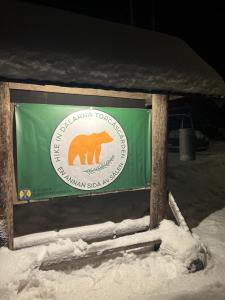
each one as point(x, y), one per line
point(87, 147)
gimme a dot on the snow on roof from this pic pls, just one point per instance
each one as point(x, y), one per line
point(45, 45)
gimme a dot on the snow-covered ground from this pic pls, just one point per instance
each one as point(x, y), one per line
point(199, 190)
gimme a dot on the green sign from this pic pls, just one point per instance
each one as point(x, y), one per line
point(71, 150)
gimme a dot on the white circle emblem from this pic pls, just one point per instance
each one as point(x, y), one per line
point(89, 149)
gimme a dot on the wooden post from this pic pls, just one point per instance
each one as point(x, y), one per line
point(6, 168)
point(159, 199)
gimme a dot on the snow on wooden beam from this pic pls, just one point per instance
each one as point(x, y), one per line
point(58, 258)
point(88, 233)
point(6, 167)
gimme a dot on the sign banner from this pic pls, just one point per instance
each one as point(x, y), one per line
point(71, 150)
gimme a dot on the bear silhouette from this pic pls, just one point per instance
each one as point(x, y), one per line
point(88, 147)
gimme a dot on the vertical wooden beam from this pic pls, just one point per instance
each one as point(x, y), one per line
point(15, 196)
point(159, 199)
point(6, 168)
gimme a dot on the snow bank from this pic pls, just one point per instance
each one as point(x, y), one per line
point(175, 242)
point(16, 269)
point(181, 245)
point(35, 239)
point(73, 243)
point(19, 267)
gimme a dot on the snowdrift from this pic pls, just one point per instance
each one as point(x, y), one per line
point(18, 267)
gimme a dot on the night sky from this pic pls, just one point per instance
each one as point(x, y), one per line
point(200, 24)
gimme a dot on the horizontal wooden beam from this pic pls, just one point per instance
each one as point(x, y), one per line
point(96, 252)
point(78, 91)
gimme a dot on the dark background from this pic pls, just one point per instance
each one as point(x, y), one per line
point(200, 23)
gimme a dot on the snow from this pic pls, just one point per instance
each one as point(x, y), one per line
point(87, 233)
point(20, 271)
point(68, 49)
point(198, 187)
point(2, 232)
point(35, 239)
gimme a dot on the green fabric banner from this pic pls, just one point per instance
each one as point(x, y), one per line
point(71, 150)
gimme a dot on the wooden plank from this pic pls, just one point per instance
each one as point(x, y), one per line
point(98, 251)
point(177, 213)
point(95, 259)
point(6, 166)
point(79, 91)
point(159, 199)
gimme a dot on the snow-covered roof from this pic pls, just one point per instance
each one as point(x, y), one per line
point(46, 45)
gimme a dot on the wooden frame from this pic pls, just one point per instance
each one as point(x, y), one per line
point(6, 164)
point(159, 197)
point(78, 91)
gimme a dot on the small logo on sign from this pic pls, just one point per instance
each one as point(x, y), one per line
point(89, 149)
point(25, 194)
